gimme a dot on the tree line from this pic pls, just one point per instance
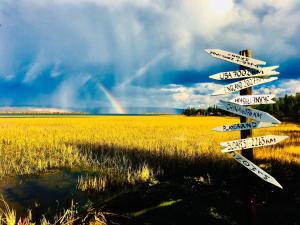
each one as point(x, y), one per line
point(286, 108)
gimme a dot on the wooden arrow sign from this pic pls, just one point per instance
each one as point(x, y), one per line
point(247, 112)
point(255, 169)
point(253, 99)
point(255, 142)
point(267, 71)
point(237, 86)
point(236, 58)
point(243, 126)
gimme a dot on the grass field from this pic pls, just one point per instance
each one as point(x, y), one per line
point(113, 151)
point(128, 148)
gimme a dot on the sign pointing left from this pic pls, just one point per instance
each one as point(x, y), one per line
point(253, 99)
point(237, 86)
point(236, 58)
point(255, 169)
point(243, 126)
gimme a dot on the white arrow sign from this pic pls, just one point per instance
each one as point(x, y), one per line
point(247, 112)
point(267, 71)
point(253, 99)
point(255, 142)
point(236, 58)
point(243, 126)
point(237, 86)
point(255, 169)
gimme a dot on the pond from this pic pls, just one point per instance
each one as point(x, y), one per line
point(46, 194)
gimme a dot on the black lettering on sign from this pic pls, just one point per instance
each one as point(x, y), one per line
point(254, 124)
point(253, 168)
point(246, 163)
point(264, 176)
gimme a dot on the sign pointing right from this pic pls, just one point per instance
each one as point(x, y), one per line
point(254, 142)
point(255, 169)
point(267, 71)
point(247, 112)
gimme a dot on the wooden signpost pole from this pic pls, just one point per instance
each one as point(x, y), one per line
point(249, 195)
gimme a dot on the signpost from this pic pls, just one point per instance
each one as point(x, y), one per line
point(253, 99)
point(267, 71)
point(249, 118)
point(244, 126)
point(242, 84)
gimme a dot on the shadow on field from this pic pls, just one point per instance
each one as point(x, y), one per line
point(200, 189)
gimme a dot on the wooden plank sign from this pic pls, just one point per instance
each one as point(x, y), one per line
point(255, 169)
point(255, 142)
point(237, 86)
point(253, 99)
point(247, 112)
point(244, 74)
point(243, 126)
point(236, 58)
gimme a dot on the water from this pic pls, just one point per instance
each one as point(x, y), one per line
point(45, 194)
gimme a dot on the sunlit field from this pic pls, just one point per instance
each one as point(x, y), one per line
point(119, 150)
point(168, 154)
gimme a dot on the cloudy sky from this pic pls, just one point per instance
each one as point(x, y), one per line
point(116, 54)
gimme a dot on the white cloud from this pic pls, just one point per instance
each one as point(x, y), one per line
point(66, 95)
point(286, 86)
point(34, 69)
point(134, 38)
point(197, 95)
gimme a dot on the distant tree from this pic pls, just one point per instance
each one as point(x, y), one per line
point(285, 108)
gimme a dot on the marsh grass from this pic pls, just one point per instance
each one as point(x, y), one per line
point(115, 151)
point(69, 216)
point(7, 215)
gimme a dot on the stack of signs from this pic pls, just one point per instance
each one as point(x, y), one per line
point(239, 104)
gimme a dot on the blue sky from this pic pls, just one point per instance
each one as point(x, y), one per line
point(145, 52)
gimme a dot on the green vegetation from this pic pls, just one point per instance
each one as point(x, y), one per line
point(286, 108)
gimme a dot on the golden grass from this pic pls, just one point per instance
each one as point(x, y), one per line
point(7, 215)
point(116, 150)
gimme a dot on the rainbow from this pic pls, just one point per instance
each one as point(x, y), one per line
point(114, 102)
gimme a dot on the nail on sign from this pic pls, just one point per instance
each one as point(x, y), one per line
point(247, 112)
point(237, 86)
point(236, 58)
point(268, 71)
point(253, 99)
point(255, 142)
point(254, 168)
point(244, 126)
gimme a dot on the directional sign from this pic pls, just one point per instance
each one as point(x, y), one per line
point(243, 126)
point(253, 99)
point(244, 74)
point(255, 142)
point(236, 58)
point(255, 169)
point(247, 112)
point(237, 86)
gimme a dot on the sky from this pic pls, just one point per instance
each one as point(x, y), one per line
point(115, 55)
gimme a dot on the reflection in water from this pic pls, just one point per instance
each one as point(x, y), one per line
point(45, 194)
